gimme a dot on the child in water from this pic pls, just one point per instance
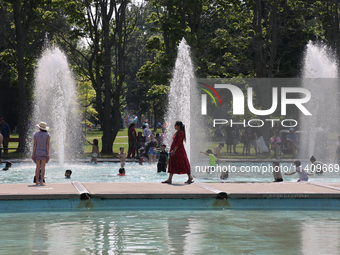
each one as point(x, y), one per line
point(163, 159)
point(212, 163)
point(122, 156)
point(68, 174)
point(121, 172)
point(303, 176)
point(142, 156)
point(95, 150)
point(8, 166)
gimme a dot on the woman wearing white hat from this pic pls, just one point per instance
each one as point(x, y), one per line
point(41, 151)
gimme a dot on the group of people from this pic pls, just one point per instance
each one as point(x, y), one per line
point(149, 146)
point(175, 161)
point(144, 143)
point(291, 142)
point(251, 136)
point(316, 167)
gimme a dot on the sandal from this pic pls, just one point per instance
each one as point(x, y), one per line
point(189, 182)
point(168, 182)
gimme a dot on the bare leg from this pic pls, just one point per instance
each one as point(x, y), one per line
point(154, 158)
point(95, 160)
point(189, 181)
point(276, 151)
point(169, 180)
point(37, 171)
point(42, 167)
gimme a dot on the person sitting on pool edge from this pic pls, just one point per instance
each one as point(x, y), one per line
point(121, 172)
point(68, 173)
point(277, 172)
point(8, 166)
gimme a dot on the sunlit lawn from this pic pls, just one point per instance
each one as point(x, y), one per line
point(122, 141)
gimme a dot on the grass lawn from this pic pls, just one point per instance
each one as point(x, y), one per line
point(122, 141)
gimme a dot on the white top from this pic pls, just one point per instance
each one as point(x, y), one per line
point(302, 174)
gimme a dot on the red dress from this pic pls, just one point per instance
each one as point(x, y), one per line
point(178, 163)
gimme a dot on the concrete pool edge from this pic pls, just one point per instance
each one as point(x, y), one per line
point(118, 196)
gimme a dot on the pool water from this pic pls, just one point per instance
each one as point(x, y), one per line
point(171, 232)
point(107, 172)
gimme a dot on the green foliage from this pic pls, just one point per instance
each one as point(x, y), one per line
point(142, 44)
point(86, 96)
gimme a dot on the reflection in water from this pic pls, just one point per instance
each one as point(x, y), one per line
point(171, 232)
point(39, 236)
point(315, 234)
point(178, 232)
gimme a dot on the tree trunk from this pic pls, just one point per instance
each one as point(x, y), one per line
point(107, 139)
point(257, 44)
point(20, 29)
point(155, 118)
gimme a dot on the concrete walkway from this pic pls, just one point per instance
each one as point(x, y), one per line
point(173, 191)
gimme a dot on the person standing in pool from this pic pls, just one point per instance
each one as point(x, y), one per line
point(41, 151)
point(122, 157)
point(132, 140)
point(178, 162)
point(1, 140)
point(5, 131)
point(95, 150)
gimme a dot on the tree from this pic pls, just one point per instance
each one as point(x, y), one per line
point(107, 26)
point(155, 98)
point(30, 19)
point(86, 96)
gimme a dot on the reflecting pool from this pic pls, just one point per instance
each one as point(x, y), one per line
point(171, 232)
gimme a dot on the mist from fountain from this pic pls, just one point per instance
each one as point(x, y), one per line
point(56, 104)
point(182, 97)
point(320, 73)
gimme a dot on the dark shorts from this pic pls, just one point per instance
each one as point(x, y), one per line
point(279, 180)
point(5, 145)
point(161, 167)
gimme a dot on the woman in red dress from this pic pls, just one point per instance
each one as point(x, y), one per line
point(178, 162)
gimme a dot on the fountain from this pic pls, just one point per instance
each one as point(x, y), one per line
point(182, 97)
point(55, 102)
point(320, 73)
